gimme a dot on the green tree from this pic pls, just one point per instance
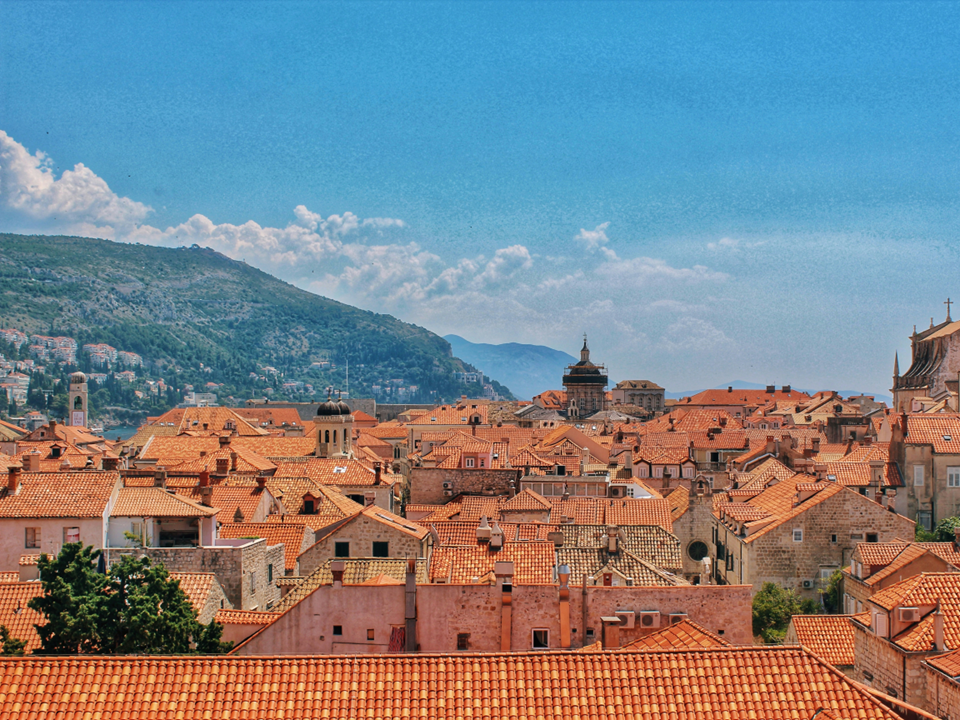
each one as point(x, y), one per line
point(11, 645)
point(831, 593)
point(773, 607)
point(136, 608)
point(921, 534)
point(945, 530)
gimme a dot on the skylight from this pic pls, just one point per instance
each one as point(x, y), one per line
point(947, 438)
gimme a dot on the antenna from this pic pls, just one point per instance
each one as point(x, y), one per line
point(348, 377)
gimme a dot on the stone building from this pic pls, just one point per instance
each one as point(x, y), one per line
point(942, 674)
point(927, 450)
point(334, 428)
point(641, 393)
point(934, 364)
point(585, 385)
point(77, 398)
point(796, 532)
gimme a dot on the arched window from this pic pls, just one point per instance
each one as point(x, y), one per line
point(327, 440)
point(334, 437)
point(78, 403)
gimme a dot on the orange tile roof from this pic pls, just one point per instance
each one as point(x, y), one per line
point(275, 533)
point(465, 533)
point(196, 586)
point(9, 576)
point(331, 471)
point(526, 501)
point(694, 419)
point(684, 635)
point(438, 513)
point(157, 502)
point(69, 495)
point(16, 616)
point(942, 431)
point(679, 502)
point(271, 447)
point(464, 565)
point(395, 522)
point(473, 507)
point(723, 397)
point(216, 419)
point(946, 550)
point(271, 417)
point(228, 499)
point(925, 589)
point(720, 683)
point(948, 664)
point(827, 636)
point(879, 554)
point(909, 554)
point(247, 462)
point(452, 415)
point(330, 504)
point(245, 617)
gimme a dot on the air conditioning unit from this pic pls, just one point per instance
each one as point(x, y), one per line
point(628, 618)
point(448, 493)
point(909, 614)
point(808, 584)
point(448, 486)
point(649, 619)
point(616, 492)
point(674, 618)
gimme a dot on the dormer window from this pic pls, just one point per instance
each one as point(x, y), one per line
point(340, 469)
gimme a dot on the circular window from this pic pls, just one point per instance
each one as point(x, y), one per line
point(697, 551)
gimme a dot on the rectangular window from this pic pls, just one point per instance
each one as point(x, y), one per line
point(541, 639)
point(381, 549)
point(32, 539)
point(469, 462)
point(918, 475)
point(253, 582)
point(308, 507)
point(798, 535)
point(270, 572)
point(873, 537)
point(953, 477)
point(688, 472)
point(833, 538)
point(370, 634)
point(338, 630)
point(658, 471)
point(71, 535)
point(341, 548)
point(463, 641)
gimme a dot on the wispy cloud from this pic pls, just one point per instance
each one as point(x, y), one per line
point(732, 245)
point(596, 239)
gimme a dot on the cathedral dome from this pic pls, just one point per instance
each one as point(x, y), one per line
point(343, 408)
point(78, 378)
point(328, 409)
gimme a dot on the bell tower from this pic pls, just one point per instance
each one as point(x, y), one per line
point(77, 414)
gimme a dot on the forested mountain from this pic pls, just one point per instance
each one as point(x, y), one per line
point(198, 317)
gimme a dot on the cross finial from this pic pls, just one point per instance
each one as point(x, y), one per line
point(948, 303)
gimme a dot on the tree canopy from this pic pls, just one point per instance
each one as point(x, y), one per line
point(773, 607)
point(135, 608)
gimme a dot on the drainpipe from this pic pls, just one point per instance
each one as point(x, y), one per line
point(583, 610)
point(563, 573)
point(410, 606)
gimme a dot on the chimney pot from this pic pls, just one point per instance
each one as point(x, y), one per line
point(204, 478)
point(13, 479)
point(377, 470)
point(223, 466)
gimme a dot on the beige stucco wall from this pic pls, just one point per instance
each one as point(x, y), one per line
point(361, 533)
point(13, 537)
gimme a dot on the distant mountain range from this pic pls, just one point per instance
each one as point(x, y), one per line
point(743, 385)
point(527, 370)
point(197, 316)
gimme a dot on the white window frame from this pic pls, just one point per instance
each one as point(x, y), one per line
point(918, 475)
point(953, 477)
point(67, 533)
point(469, 462)
point(658, 471)
point(797, 531)
point(27, 544)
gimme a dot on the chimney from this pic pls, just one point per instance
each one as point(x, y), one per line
point(786, 389)
point(206, 426)
point(204, 478)
point(233, 462)
point(13, 479)
point(206, 498)
point(563, 575)
point(33, 461)
point(223, 466)
point(503, 571)
point(336, 567)
point(410, 609)
point(611, 632)
point(110, 463)
point(815, 443)
point(771, 389)
point(160, 479)
point(496, 537)
point(483, 530)
point(903, 424)
point(612, 537)
point(377, 470)
point(261, 482)
point(224, 440)
point(729, 388)
point(938, 639)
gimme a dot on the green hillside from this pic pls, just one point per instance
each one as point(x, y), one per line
point(197, 316)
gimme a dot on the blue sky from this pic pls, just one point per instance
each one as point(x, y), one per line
point(714, 191)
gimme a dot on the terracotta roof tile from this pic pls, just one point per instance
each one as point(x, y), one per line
point(925, 590)
point(331, 471)
point(827, 636)
point(462, 565)
point(650, 543)
point(73, 495)
point(454, 532)
point(196, 586)
point(14, 613)
point(228, 499)
point(289, 534)
point(942, 431)
point(245, 617)
point(684, 635)
point(356, 571)
point(594, 562)
point(948, 664)
point(525, 501)
point(157, 502)
point(714, 684)
point(9, 576)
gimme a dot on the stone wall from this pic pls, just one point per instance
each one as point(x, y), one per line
point(879, 664)
point(242, 571)
point(831, 531)
point(361, 533)
point(944, 695)
point(216, 599)
point(695, 525)
point(446, 611)
point(426, 484)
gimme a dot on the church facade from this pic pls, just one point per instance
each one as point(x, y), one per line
point(585, 385)
point(934, 367)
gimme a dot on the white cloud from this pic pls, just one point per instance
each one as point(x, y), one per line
point(731, 245)
point(692, 335)
point(596, 239)
point(643, 270)
point(77, 202)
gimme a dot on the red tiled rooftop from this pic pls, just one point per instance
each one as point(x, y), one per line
point(827, 636)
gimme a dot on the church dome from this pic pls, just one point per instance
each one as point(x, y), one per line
point(343, 408)
point(78, 377)
point(328, 409)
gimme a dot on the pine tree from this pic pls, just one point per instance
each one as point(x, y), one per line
point(11, 645)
